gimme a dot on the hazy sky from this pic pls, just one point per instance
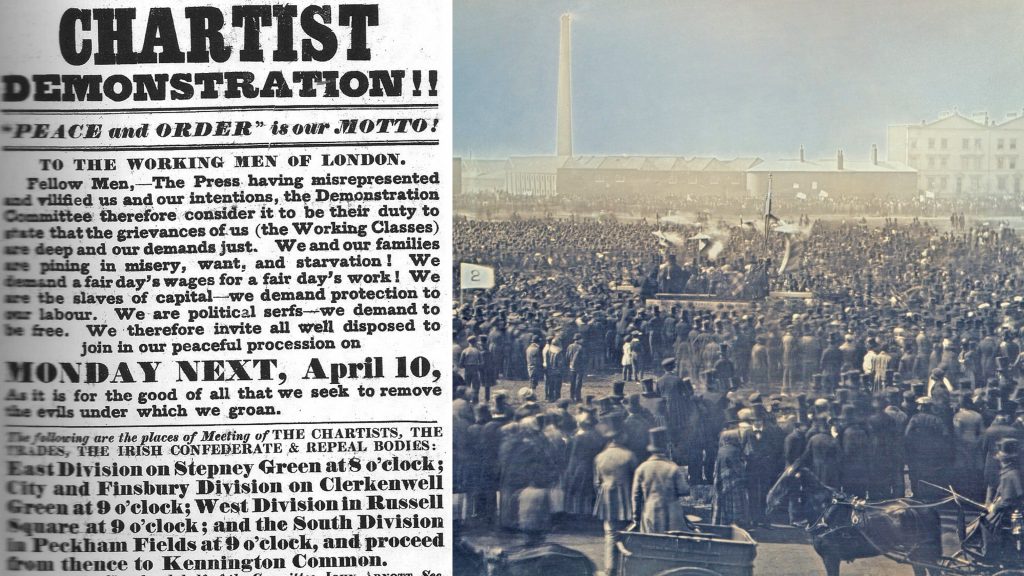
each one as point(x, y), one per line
point(729, 78)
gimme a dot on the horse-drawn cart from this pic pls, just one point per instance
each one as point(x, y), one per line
point(709, 551)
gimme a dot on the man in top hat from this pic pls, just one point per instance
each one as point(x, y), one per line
point(831, 364)
point(681, 416)
point(743, 344)
point(880, 367)
point(859, 472)
point(525, 456)
point(790, 359)
point(671, 277)
point(760, 367)
point(867, 366)
point(886, 429)
point(794, 447)
point(822, 454)
point(649, 396)
point(810, 355)
point(699, 341)
point(968, 428)
point(1000, 429)
point(848, 350)
point(988, 349)
point(489, 368)
point(584, 446)
point(484, 439)
point(761, 461)
point(534, 362)
point(724, 370)
point(614, 468)
point(576, 360)
point(929, 450)
point(1009, 348)
point(554, 370)
point(636, 425)
point(990, 535)
point(472, 363)
point(657, 487)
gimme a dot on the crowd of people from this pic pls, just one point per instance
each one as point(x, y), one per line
point(498, 204)
point(903, 364)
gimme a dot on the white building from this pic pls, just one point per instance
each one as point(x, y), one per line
point(960, 155)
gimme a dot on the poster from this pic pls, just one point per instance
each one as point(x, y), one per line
point(225, 249)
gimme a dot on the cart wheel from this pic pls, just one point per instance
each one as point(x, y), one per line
point(688, 572)
point(1010, 572)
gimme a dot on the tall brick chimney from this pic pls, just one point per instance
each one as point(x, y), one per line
point(564, 113)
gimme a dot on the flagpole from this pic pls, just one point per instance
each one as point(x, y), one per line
point(767, 213)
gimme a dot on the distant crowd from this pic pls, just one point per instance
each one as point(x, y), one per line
point(904, 363)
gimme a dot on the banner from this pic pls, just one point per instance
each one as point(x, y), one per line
point(475, 276)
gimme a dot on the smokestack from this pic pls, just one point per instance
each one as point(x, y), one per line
point(874, 154)
point(564, 115)
point(839, 159)
point(801, 152)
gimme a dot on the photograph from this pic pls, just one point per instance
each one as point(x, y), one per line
point(738, 288)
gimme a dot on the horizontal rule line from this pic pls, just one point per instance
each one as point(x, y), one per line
point(169, 147)
point(222, 424)
point(182, 110)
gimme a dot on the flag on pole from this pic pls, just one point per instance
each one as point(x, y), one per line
point(792, 257)
point(475, 276)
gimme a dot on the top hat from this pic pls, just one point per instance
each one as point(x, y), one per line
point(1007, 448)
point(607, 405)
point(658, 439)
point(849, 413)
point(618, 388)
point(648, 386)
